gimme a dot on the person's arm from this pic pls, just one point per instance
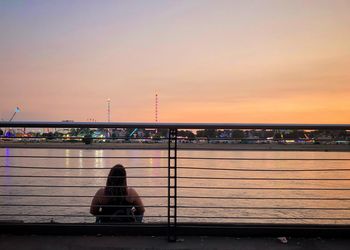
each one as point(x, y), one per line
point(94, 208)
point(136, 201)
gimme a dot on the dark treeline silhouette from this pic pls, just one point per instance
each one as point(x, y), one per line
point(88, 135)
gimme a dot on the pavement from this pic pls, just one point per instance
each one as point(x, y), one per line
point(98, 242)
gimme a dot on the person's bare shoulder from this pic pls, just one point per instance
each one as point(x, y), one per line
point(96, 201)
point(132, 195)
point(132, 192)
point(100, 192)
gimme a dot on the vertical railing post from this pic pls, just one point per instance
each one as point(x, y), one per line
point(172, 184)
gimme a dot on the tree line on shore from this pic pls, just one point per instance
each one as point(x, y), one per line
point(87, 135)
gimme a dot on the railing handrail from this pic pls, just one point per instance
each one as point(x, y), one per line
point(47, 124)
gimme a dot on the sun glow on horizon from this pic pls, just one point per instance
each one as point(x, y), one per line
point(209, 61)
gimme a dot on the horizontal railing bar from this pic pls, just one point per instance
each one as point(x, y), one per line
point(71, 186)
point(260, 178)
point(263, 198)
point(262, 159)
point(261, 188)
point(46, 124)
point(75, 205)
point(181, 197)
point(78, 168)
point(185, 207)
point(179, 216)
point(267, 208)
point(179, 158)
point(78, 215)
point(263, 218)
point(192, 168)
point(267, 170)
point(184, 187)
point(179, 177)
point(82, 157)
point(81, 177)
point(77, 196)
point(127, 138)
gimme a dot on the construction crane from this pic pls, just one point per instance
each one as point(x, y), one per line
point(16, 111)
point(8, 133)
point(133, 132)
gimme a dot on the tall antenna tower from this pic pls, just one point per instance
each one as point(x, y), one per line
point(109, 109)
point(156, 109)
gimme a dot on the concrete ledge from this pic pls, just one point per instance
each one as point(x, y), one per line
point(183, 229)
point(35, 242)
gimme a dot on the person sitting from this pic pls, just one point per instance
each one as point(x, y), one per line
point(116, 202)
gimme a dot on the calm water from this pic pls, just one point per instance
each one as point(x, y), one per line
point(189, 203)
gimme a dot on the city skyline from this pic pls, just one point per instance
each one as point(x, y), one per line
point(208, 61)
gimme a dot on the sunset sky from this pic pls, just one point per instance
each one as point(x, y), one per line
point(209, 61)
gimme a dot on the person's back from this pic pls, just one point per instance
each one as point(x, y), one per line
point(112, 213)
point(117, 203)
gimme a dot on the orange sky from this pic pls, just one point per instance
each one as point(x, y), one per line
point(209, 61)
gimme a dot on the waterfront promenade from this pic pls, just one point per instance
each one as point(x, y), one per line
point(281, 188)
point(31, 242)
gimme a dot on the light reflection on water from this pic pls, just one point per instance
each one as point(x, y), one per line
point(67, 155)
point(7, 163)
point(154, 164)
point(98, 159)
point(81, 159)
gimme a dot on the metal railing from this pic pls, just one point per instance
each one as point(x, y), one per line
point(191, 192)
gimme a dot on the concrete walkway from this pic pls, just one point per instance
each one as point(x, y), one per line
point(31, 242)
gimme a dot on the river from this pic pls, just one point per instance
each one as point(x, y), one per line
point(251, 185)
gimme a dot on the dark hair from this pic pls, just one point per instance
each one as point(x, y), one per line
point(116, 184)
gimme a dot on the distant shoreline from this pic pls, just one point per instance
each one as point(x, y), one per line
point(181, 146)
